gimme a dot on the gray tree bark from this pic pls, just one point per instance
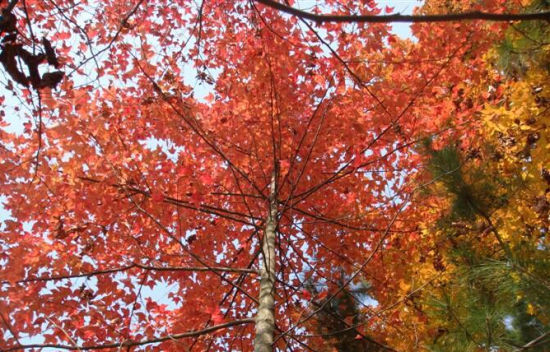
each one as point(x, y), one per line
point(265, 318)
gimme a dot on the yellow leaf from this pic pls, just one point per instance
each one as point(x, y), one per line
point(404, 286)
point(531, 309)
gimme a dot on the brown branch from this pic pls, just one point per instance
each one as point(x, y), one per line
point(130, 343)
point(213, 268)
point(144, 267)
point(535, 342)
point(11, 5)
point(204, 208)
point(451, 17)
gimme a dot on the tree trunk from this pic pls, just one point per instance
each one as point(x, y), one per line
point(265, 319)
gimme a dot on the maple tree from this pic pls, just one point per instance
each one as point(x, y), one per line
point(143, 215)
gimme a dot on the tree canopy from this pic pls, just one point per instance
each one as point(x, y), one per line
point(238, 175)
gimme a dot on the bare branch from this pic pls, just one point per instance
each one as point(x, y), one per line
point(535, 342)
point(451, 17)
point(11, 5)
point(140, 266)
point(130, 343)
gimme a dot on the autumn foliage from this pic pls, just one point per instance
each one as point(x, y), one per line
point(222, 176)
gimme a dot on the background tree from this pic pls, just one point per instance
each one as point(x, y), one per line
point(335, 324)
point(490, 242)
